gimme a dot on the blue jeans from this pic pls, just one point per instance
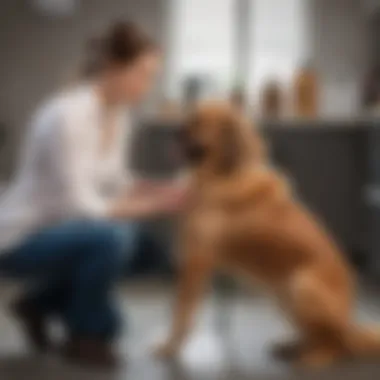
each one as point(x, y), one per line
point(72, 269)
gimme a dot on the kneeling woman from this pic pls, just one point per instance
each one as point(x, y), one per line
point(62, 221)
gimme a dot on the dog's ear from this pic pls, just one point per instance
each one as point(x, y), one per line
point(229, 148)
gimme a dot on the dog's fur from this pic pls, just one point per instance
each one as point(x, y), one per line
point(244, 218)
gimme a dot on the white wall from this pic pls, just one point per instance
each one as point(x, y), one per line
point(202, 42)
point(340, 47)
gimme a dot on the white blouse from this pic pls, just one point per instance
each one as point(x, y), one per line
point(63, 172)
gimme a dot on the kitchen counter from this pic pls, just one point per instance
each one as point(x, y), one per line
point(329, 164)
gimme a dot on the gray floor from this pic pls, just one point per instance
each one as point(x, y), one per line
point(231, 341)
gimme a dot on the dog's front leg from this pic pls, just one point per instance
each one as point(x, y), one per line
point(195, 273)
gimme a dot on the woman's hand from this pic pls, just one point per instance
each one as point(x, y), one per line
point(165, 200)
point(155, 188)
point(172, 198)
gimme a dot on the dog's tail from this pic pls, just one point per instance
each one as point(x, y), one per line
point(363, 341)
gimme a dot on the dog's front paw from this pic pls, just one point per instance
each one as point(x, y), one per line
point(166, 351)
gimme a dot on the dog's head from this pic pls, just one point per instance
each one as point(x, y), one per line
point(218, 136)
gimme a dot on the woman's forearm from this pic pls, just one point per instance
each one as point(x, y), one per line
point(148, 201)
point(132, 208)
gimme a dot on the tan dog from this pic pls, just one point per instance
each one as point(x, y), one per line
point(243, 218)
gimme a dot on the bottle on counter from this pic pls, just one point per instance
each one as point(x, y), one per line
point(272, 100)
point(305, 95)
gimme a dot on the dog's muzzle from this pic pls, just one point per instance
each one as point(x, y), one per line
point(194, 152)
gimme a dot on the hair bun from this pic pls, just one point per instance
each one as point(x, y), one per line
point(121, 44)
point(125, 41)
point(118, 40)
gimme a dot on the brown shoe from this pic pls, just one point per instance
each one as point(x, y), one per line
point(90, 353)
point(33, 324)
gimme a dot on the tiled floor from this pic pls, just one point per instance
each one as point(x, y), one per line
point(230, 341)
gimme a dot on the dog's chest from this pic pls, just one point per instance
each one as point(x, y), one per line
point(205, 226)
point(260, 248)
point(246, 240)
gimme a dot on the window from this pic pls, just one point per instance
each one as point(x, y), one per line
point(203, 40)
point(279, 41)
point(202, 43)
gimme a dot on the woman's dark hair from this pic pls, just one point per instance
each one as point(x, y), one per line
point(122, 43)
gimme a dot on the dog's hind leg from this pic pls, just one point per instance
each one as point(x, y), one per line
point(321, 317)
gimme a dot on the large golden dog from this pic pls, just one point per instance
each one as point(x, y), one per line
point(243, 218)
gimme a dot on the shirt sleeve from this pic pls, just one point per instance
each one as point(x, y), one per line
point(80, 196)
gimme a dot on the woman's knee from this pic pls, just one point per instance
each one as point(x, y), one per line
point(104, 241)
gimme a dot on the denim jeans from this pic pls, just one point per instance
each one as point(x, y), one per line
point(71, 270)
